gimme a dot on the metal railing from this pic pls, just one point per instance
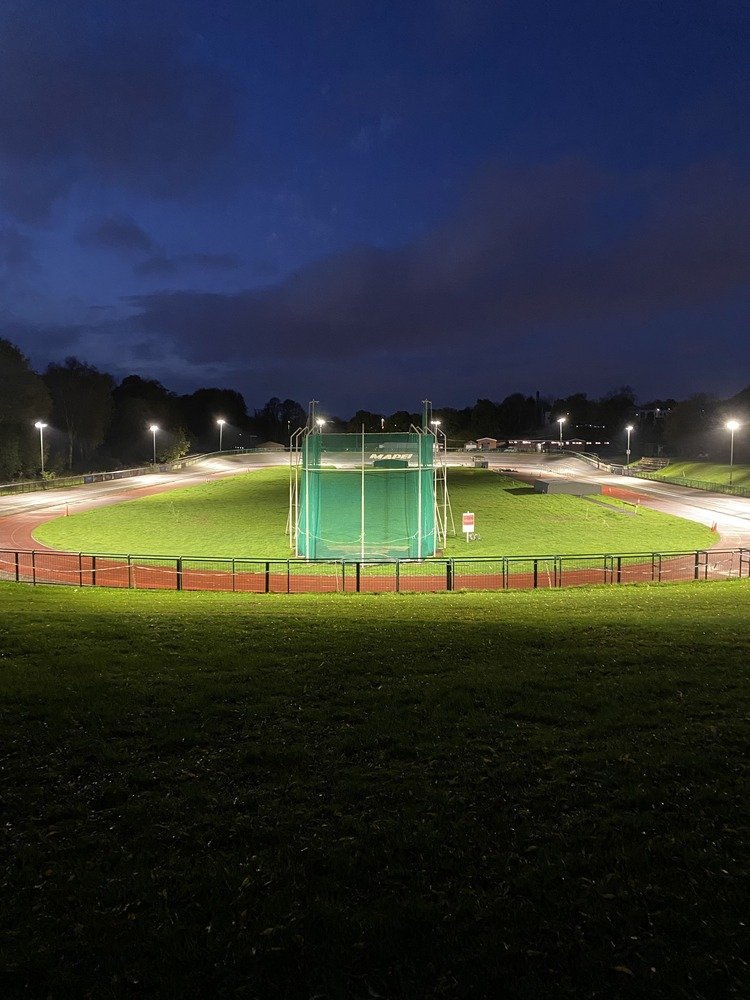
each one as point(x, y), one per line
point(695, 484)
point(296, 576)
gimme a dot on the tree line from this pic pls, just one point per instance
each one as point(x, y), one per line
point(95, 422)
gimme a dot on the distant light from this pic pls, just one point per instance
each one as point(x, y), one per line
point(40, 425)
point(153, 428)
point(629, 428)
point(320, 422)
point(732, 425)
point(221, 421)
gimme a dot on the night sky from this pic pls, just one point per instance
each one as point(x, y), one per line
point(370, 203)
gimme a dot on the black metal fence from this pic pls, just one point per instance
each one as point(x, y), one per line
point(294, 576)
point(694, 484)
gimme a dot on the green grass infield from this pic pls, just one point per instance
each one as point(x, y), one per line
point(518, 795)
point(245, 516)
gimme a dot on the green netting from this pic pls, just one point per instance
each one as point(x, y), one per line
point(368, 496)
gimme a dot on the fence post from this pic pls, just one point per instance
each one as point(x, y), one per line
point(696, 571)
point(93, 571)
point(234, 576)
point(18, 568)
point(398, 576)
point(619, 569)
point(267, 585)
point(178, 570)
point(288, 577)
point(505, 573)
point(558, 570)
point(357, 575)
point(536, 573)
point(130, 572)
point(449, 574)
point(33, 567)
point(80, 570)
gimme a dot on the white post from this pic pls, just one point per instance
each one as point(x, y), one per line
point(362, 508)
point(306, 460)
point(419, 496)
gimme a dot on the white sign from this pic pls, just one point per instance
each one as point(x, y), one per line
point(468, 522)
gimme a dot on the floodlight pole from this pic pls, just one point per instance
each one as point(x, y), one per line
point(732, 426)
point(362, 503)
point(40, 425)
point(221, 423)
point(629, 429)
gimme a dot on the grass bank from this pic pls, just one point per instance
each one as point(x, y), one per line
point(245, 516)
point(706, 472)
point(522, 795)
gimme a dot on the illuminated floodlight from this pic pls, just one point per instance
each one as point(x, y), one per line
point(153, 428)
point(40, 425)
point(221, 421)
point(561, 421)
point(629, 429)
point(732, 426)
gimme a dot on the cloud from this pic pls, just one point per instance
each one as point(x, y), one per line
point(527, 279)
point(83, 99)
point(15, 250)
point(162, 266)
point(119, 233)
point(549, 247)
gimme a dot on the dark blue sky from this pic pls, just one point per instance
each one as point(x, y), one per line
point(372, 203)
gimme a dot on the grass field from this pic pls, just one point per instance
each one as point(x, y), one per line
point(245, 516)
point(707, 472)
point(525, 796)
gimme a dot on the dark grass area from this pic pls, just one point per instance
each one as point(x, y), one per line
point(523, 795)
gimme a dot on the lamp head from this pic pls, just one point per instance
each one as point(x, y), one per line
point(40, 425)
point(733, 425)
point(153, 428)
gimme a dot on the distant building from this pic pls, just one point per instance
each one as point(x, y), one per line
point(487, 444)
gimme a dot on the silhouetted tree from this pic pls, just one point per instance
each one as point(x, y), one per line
point(81, 405)
point(24, 399)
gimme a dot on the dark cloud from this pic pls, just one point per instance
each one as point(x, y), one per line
point(161, 266)
point(15, 250)
point(119, 233)
point(533, 272)
point(81, 99)
point(546, 248)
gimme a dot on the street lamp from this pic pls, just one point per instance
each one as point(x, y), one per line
point(561, 421)
point(40, 427)
point(321, 424)
point(221, 421)
point(436, 425)
point(732, 426)
point(629, 429)
point(153, 428)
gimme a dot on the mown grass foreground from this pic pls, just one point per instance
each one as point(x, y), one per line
point(522, 795)
point(245, 516)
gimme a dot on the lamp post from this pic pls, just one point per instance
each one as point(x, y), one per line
point(732, 426)
point(40, 427)
point(561, 421)
point(221, 421)
point(153, 428)
point(436, 425)
point(321, 424)
point(629, 429)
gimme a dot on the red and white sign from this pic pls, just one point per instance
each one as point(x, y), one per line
point(468, 522)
